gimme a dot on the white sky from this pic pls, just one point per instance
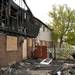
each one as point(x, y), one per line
point(40, 8)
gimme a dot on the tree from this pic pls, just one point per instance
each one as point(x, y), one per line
point(71, 38)
point(63, 21)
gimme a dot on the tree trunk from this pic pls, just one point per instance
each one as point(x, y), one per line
point(61, 41)
point(54, 51)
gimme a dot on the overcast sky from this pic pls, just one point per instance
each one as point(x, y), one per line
point(40, 8)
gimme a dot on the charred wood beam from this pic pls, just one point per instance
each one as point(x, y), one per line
point(27, 7)
point(17, 21)
point(12, 18)
point(35, 17)
point(44, 24)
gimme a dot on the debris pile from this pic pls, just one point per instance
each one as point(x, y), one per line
point(34, 67)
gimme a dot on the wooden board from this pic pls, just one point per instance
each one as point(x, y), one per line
point(11, 43)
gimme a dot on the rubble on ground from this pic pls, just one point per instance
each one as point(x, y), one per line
point(33, 67)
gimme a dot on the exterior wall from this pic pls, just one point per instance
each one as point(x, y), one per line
point(9, 57)
point(44, 34)
point(44, 37)
point(29, 47)
point(24, 52)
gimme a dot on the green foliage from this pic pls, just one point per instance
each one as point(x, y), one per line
point(66, 52)
point(63, 21)
point(71, 38)
point(54, 36)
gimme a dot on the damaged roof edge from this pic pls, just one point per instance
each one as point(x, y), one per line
point(37, 18)
point(43, 24)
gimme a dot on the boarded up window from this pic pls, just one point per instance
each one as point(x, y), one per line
point(11, 43)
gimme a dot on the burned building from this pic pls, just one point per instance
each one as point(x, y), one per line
point(16, 24)
point(16, 21)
